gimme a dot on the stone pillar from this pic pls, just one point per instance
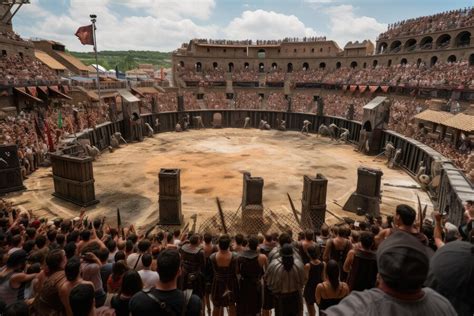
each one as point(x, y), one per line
point(170, 197)
point(252, 206)
point(367, 196)
point(313, 203)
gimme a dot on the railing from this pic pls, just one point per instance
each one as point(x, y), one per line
point(453, 190)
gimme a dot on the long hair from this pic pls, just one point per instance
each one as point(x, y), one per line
point(332, 273)
point(287, 259)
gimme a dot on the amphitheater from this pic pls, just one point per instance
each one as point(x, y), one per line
point(265, 143)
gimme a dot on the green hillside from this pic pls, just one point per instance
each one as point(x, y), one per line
point(126, 60)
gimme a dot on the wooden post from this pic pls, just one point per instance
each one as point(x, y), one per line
point(73, 179)
point(170, 197)
point(313, 202)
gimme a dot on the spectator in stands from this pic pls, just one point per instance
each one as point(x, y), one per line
point(81, 300)
point(166, 291)
point(361, 264)
point(404, 220)
point(450, 275)
point(131, 284)
point(403, 264)
point(314, 271)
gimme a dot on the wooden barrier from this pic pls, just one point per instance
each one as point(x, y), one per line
point(170, 197)
point(10, 171)
point(73, 179)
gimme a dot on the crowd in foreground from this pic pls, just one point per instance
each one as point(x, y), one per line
point(399, 266)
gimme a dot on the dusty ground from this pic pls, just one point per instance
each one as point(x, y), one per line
point(211, 163)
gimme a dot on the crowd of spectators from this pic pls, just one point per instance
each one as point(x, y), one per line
point(402, 265)
point(451, 75)
point(216, 100)
point(248, 100)
point(275, 76)
point(191, 101)
point(276, 101)
point(303, 102)
point(16, 70)
point(167, 102)
point(338, 105)
point(11, 36)
point(245, 75)
point(444, 21)
point(37, 132)
point(260, 42)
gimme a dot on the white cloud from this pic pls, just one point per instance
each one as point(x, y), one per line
point(345, 26)
point(201, 9)
point(262, 24)
point(162, 32)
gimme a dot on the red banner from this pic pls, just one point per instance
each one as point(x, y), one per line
point(353, 88)
point(86, 35)
point(373, 88)
point(385, 88)
point(33, 91)
point(362, 89)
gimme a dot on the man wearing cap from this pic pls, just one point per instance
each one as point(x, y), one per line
point(12, 277)
point(451, 274)
point(403, 264)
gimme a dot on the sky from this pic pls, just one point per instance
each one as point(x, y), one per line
point(163, 25)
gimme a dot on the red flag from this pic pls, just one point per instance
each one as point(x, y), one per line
point(86, 35)
point(48, 134)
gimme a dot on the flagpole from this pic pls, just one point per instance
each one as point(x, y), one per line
point(93, 20)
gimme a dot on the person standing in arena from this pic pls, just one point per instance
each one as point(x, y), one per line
point(361, 264)
point(224, 289)
point(251, 267)
point(192, 266)
point(285, 278)
point(314, 272)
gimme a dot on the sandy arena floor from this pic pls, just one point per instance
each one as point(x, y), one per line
point(211, 163)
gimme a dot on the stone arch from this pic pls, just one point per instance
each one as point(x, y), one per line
point(433, 60)
point(403, 61)
point(246, 66)
point(289, 67)
point(274, 66)
point(389, 63)
point(215, 65)
point(353, 64)
point(365, 65)
point(261, 53)
point(410, 44)
point(382, 48)
point(198, 66)
point(181, 64)
point(230, 67)
point(443, 41)
point(452, 59)
point(471, 60)
point(322, 65)
point(305, 66)
point(338, 65)
point(426, 42)
point(463, 39)
point(375, 63)
point(261, 67)
point(395, 46)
